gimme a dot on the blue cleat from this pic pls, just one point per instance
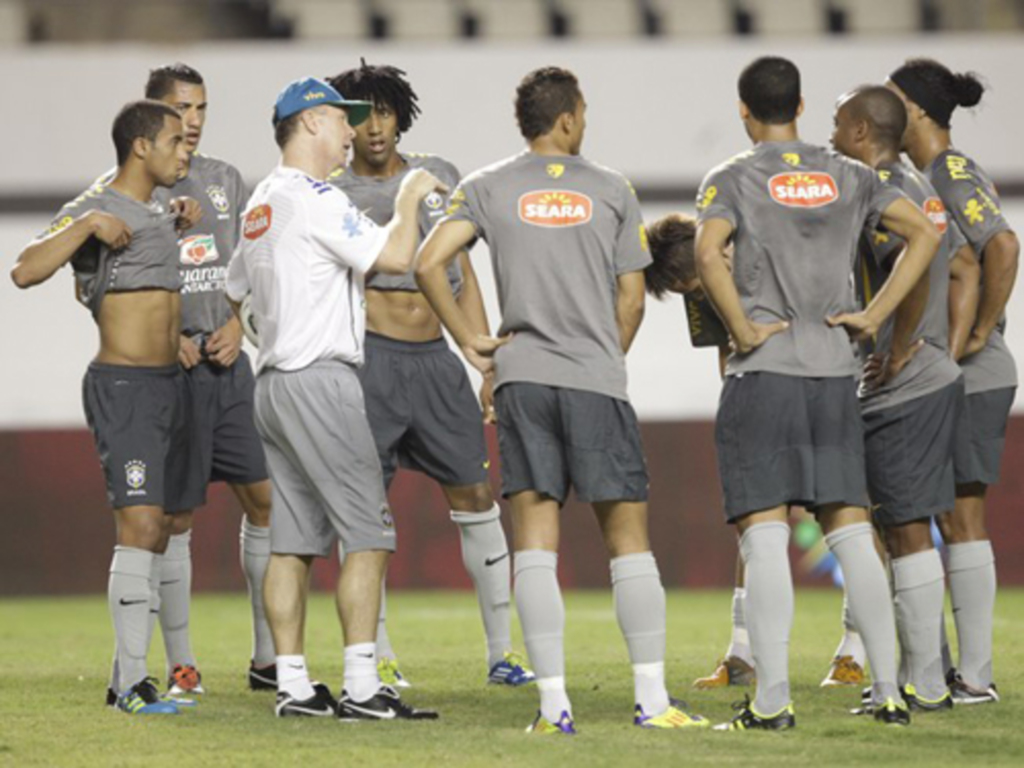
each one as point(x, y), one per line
point(511, 671)
point(144, 699)
point(565, 725)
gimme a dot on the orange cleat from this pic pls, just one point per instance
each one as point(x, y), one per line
point(844, 671)
point(731, 670)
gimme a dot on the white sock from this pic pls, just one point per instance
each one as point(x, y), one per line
point(254, 545)
point(851, 644)
point(739, 644)
point(361, 679)
point(293, 677)
point(553, 698)
point(649, 687)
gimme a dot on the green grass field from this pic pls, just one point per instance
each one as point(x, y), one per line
point(54, 656)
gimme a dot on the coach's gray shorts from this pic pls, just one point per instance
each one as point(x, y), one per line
point(141, 422)
point(909, 452)
point(225, 427)
point(422, 411)
point(981, 435)
point(552, 438)
point(326, 478)
point(789, 440)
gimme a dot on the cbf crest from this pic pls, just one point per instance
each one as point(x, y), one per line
point(219, 198)
point(433, 201)
point(555, 170)
point(135, 475)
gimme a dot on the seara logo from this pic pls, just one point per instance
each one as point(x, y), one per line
point(936, 212)
point(257, 222)
point(803, 190)
point(555, 208)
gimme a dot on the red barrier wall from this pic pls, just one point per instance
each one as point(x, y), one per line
point(57, 531)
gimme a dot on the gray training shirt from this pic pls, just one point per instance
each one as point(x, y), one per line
point(931, 368)
point(973, 203)
point(149, 261)
point(797, 211)
point(204, 251)
point(376, 198)
point(560, 229)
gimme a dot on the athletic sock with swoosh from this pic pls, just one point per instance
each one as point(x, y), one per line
point(361, 679)
point(485, 556)
point(128, 597)
point(293, 677)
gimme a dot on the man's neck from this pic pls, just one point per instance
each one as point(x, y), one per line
point(549, 145)
point(306, 160)
point(133, 182)
point(878, 157)
point(770, 133)
point(926, 148)
point(394, 165)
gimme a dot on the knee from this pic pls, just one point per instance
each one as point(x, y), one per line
point(470, 498)
point(143, 532)
point(905, 540)
point(257, 508)
point(178, 523)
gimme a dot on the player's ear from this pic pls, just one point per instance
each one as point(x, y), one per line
point(141, 146)
point(744, 111)
point(800, 107)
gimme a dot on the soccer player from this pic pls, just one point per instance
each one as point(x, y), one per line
point(122, 246)
point(304, 253)
point(419, 400)
point(221, 378)
point(932, 93)
point(569, 248)
point(912, 391)
point(789, 429)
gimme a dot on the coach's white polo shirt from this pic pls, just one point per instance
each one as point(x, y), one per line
point(304, 252)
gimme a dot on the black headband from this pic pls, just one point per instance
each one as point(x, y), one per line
point(918, 91)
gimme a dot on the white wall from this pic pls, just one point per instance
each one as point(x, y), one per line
point(662, 113)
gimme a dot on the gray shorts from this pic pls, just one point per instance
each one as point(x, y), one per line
point(552, 438)
point(422, 411)
point(222, 401)
point(789, 440)
point(909, 452)
point(323, 465)
point(981, 435)
point(141, 422)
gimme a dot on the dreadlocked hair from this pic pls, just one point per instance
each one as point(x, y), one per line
point(381, 85)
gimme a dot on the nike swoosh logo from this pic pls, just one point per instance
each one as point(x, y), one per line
point(133, 602)
point(168, 583)
point(365, 655)
point(295, 666)
point(491, 561)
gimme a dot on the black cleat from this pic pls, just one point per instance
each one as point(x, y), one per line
point(963, 693)
point(262, 678)
point(749, 720)
point(320, 704)
point(383, 705)
point(918, 703)
point(890, 712)
point(111, 697)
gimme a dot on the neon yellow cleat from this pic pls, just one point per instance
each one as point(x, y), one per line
point(565, 725)
point(675, 716)
point(390, 674)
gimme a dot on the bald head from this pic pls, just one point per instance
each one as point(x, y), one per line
point(883, 112)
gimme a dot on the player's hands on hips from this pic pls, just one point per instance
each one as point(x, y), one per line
point(480, 351)
point(755, 335)
point(859, 325)
point(109, 230)
point(881, 369)
point(189, 355)
point(420, 183)
point(975, 343)
point(487, 399)
point(187, 213)
point(225, 344)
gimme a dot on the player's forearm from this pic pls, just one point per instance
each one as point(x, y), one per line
point(997, 278)
point(42, 258)
point(471, 300)
point(629, 307)
point(908, 318)
point(922, 244)
point(721, 291)
point(399, 251)
point(964, 290)
point(432, 280)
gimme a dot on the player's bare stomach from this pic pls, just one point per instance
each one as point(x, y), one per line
point(402, 315)
point(140, 328)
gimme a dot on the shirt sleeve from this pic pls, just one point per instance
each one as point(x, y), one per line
point(236, 286)
point(464, 205)
point(970, 202)
point(342, 230)
point(631, 250)
point(717, 198)
point(883, 244)
point(954, 236)
point(879, 196)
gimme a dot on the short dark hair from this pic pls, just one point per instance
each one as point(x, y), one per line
point(162, 79)
point(884, 112)
point(543, 96)
point(937, 89)
point(770, 87)
point(382, 85)
point(142, 119)
point(671, 240)
point(283, 129)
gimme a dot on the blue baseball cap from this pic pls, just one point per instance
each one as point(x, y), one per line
point(311, 92)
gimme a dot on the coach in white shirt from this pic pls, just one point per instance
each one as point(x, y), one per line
point(304, 254)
